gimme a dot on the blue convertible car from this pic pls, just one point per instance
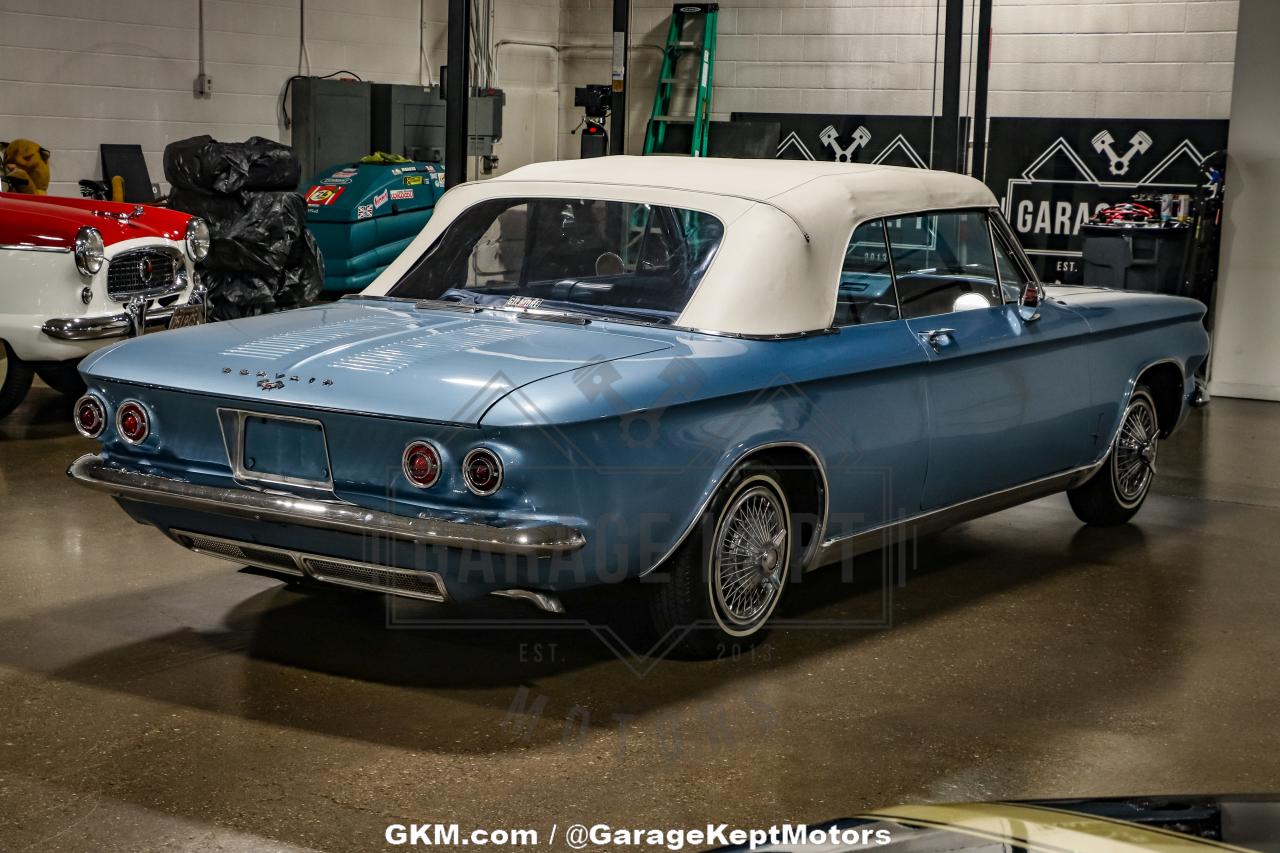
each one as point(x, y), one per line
point(712, 374)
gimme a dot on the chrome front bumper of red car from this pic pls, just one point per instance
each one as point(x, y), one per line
point(103, 327)
point(137, 318)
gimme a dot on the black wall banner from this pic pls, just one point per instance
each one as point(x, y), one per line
point(888, 139)
point(1051, 174)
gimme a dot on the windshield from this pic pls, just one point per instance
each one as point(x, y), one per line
point(585, 256)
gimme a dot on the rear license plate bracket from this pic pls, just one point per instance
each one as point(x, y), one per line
point(277, 449)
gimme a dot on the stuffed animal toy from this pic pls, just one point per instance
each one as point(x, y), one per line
point(26, 167)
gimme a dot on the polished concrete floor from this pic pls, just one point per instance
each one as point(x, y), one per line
point(154, 699)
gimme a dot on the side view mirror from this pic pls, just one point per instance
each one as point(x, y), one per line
point(1029, 304)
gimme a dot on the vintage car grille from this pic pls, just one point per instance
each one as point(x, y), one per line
point(405, 582)
point(142, 272)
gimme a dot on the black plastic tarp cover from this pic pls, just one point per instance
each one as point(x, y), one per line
point(204, 163)
point(261, 256)
point(253, 232)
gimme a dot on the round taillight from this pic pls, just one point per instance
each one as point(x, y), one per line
point(421, 464)
point(90, 416)
point(132, 423)
point(482, 471)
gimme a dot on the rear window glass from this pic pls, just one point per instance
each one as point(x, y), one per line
point(589, 256)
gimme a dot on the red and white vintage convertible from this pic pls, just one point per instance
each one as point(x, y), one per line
point(76, 274)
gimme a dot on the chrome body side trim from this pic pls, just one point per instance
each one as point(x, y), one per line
point(812, 551)
point(544, 601)
point(872, 539)
point(875, 538)
point(535, 540)
point(28, 247)
point(830, 550)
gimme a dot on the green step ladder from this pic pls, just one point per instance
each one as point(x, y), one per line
point(687, 62)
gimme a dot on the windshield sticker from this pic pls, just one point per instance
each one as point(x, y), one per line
point(321, 195)
point(380, 199)
point(523, 302)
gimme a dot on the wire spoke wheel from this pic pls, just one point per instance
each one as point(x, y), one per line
point(1135, 454)
point(749, 557)
point(1115, 492)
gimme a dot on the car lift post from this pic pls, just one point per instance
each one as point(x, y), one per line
point(946, 154)
point(456, 86)
point(980, 85)
point(621, 49)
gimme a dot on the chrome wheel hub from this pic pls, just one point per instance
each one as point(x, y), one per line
point(1135, 455)
point(749, 557)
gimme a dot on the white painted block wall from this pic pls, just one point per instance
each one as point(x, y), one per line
point(78, 73)
point(1082, 58)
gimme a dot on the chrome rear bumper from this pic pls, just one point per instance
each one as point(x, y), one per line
point(534, 540)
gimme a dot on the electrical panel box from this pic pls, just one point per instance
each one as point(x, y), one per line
point(330, 121)
point(484, 115)
point(409, 121)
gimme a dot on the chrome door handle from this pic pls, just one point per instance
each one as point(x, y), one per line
point(936, 337)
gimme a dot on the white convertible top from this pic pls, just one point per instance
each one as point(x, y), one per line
point(787, 223)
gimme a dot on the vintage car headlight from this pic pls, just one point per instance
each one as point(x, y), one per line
point(90, 416)
point(197, 239)
point(89, 250)
point(421, 464)
point(132, 422)
point(482, 471)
